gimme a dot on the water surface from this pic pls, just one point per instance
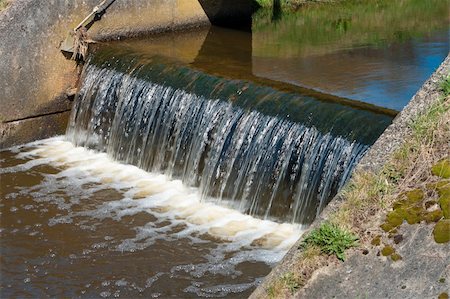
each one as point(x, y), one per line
point(378, 52)
point(74, 223)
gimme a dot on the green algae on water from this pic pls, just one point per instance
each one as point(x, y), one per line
point(441, 231)
point(442, 169)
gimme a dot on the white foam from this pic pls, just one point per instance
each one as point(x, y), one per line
point(162, 196)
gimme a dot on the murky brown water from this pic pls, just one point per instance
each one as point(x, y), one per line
point(70, 230)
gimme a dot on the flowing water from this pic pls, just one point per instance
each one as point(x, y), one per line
point(193, 161)
point(76, 223)
point(261, 165)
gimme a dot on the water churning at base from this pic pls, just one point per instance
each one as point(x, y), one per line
point(265, 166)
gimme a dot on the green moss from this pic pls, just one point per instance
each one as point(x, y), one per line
point(414, 195)
point(387, 250)
point(442, 279)
point(444, 203)
point(395, 218)
point(387, 227)
point(441, 231)
point(396, 257)
point(433, 216)
point(376, 241)
point(412, 214)
point(443, 189)
point(443, 296)
point(438, 185)
point(442, 169)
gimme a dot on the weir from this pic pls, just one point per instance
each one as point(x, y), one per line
point(264, 152)
point(195, 160)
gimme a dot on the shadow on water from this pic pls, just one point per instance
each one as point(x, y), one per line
point(230, 13)
point(276, 11)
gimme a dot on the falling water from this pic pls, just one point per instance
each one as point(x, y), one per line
point(262, 165)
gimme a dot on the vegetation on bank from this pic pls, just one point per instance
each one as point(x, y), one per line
point(331, 239)
point(413, 187)
point(289, 4)
point(327, 28)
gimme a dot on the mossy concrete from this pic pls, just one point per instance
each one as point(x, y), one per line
point(418, 274)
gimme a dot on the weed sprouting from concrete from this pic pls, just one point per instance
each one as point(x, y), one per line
point(331, 239)
point(289, 281)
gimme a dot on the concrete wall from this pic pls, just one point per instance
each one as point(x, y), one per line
point(37, 82)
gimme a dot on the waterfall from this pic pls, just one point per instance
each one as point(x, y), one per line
point(264, 165)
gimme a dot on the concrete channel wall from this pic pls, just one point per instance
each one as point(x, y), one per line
point(37, 83)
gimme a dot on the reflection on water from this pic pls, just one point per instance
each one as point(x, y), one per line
point(74, 223)
point(379, 52)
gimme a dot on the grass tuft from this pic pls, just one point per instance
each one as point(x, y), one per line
point(287, 284)
point(445, 86)
point(331, 239)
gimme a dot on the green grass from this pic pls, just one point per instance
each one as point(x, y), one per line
point(331, 240)
point(289, 4)
point(445, 86)
point(287, 284)
point(326, 28)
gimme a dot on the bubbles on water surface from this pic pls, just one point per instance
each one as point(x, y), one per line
point(114, 213)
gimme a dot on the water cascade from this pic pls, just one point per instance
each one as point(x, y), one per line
point(235, 141)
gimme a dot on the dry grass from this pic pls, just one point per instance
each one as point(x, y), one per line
point(4, 4)
point(81, 44)
point(307, 261)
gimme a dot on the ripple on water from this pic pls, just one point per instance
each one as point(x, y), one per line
point(114, 230)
